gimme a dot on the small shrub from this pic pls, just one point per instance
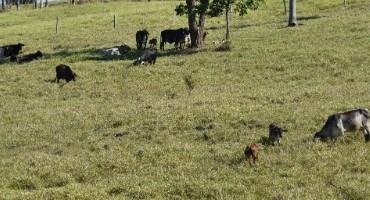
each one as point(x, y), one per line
point(225, 46)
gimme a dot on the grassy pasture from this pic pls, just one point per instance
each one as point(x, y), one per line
point(123, 132)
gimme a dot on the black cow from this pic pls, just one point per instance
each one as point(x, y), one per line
point(27, 57)
point(174, 36)
point(141, 39)
point(64, 72)
point(12, 49)
point(153, 43)
point(149, 55)
point(2, 52)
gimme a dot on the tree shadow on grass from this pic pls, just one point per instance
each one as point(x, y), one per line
point(224, 26)
point(308, 18)
point(95, 55)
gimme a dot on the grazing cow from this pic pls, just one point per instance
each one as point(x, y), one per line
point(11, 50)
point(337, 124)
point(64, 72)
point(149, 56)
point(27, 57)
point(153, 43)
point(275, 133)
point(141, 39)
point(174, 36)
point(251, 153)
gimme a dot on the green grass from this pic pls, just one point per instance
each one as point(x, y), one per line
point(123, 132)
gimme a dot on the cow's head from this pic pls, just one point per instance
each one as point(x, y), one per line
point(146, 32)
point(186, 31)
point(38, 54)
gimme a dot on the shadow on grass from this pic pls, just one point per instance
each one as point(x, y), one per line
point(95, 55)
point(265, 141)
point(224, 26)
point(308, 18)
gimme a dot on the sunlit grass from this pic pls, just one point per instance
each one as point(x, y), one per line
point(124, 132)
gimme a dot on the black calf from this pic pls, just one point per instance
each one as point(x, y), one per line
point(64, 72)
point(27, 57)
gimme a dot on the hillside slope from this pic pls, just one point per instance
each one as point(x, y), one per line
point(124, 132)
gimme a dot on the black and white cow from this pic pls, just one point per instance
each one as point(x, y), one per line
point(174, 36)
point(148, 56)
point(141, 39)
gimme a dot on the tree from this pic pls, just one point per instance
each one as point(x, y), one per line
point(292, 14)
point(3, 4)
point(194, 9)
point(217, 7)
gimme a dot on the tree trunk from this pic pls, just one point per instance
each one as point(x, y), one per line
point(193, 28)
point(46, 3)
point(35, 4)
point(3, 5)
point(228, 21)
point(17, 4)
point(202, 20)
point(292, 13)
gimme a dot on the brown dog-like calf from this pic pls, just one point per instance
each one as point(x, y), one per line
point(251, 153)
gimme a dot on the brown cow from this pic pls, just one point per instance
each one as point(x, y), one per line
point(251, 153)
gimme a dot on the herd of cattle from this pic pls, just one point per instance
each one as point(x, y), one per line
point(13, 51)
point(336, 125)
point(179, 37)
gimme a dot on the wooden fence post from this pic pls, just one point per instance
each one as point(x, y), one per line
point(114, 21)
point(57, 25)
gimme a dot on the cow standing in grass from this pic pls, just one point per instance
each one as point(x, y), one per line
point(153, 43)
point(64, 72)
point(251, 153)
point(337, 124)
point(174, 36)
point(275, 133)
point(141, 39)
point(11, 50)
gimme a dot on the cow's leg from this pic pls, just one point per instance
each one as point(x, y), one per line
point(162, 46)
point(366, 130)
